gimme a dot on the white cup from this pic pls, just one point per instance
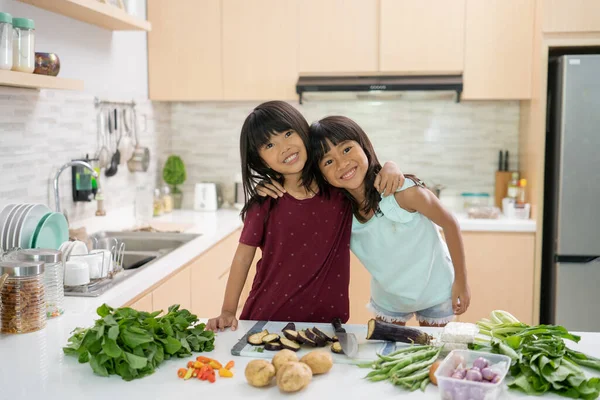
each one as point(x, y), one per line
point(77, 273)
point(106, 264)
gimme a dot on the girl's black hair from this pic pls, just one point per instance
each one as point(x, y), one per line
point(338, 129)
point(268, 119)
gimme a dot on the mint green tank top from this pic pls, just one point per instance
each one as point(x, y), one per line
point(408, 260)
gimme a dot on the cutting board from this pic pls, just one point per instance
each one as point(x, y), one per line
point(367, 349)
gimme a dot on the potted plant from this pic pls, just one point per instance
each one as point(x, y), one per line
point(174, 175)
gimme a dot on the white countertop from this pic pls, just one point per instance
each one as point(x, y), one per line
point(33, 366)
point(502, 224)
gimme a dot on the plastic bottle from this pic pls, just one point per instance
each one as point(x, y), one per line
point(521, 199)
point(513, 186)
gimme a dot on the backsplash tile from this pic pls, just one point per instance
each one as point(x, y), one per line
point(454, 144)
point(42, 130)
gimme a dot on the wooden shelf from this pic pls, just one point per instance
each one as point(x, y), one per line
point(33, 81)
point(94, 12)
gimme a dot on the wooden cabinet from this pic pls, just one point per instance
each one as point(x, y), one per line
point(259, 49)
point(176, 290)
point(500, 269)
point(498, 49)
point(571, 16)
point(422, 36)
point(337, 36)
point(359, 292)
point(209, 276)
point(184, 50)
point(144, 304)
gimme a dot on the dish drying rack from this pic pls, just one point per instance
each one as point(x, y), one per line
point(108, 271)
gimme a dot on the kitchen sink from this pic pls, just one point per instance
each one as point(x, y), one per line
point(140, 249)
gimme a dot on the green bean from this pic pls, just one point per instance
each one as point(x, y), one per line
point(424, 384)
point(408, 350)
point(419, 375)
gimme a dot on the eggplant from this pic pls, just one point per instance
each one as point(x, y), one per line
point(322, 334)
point(315, 338)
point(256, 339)
point(292, 335)
point(305, 339)
point(335, 339)
point(336, 347)
point(271, 337)
point(290, 344)
point(273, 346)
point(381, 330)
point(291, 326)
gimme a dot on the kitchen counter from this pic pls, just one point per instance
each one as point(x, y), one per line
point(34, 366)
point(502, 224)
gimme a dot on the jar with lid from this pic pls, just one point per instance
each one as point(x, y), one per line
point(22, 297)
point(6, 41)
point(167, 199)
point(158, 203)
point(53, 276)
point(474, 200)
point(23, 45)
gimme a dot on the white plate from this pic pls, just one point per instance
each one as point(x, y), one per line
point(30, 223)
point(10, 226)
point(19, 226)
point(3, 219)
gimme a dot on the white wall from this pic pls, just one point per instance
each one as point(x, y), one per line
point(112, 64)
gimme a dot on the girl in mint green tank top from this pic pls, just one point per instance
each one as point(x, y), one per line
point(413, 271)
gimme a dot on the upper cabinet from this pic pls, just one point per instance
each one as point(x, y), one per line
point(571, 16)
point(422, 36)
point(259, 49)
point(184, 50)
point(337, 36)
point(498, 49)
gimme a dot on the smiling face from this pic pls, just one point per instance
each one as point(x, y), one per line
point(345, 165)
point(284, 152)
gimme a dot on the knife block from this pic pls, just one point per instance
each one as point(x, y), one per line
point(501, 187)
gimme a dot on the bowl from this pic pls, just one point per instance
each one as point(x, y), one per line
point(77, 273)
point(46, 64)
point(458, 389)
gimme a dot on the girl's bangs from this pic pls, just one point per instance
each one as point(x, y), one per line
point(263, 126)
point(321, 134)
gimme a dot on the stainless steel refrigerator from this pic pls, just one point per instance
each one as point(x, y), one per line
point(571, 235)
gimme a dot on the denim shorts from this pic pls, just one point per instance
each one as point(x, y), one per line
point(437, 315)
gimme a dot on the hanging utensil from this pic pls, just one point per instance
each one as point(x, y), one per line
point(103, 153)
point(116, 158)
point(140, 160)
point(125, 144)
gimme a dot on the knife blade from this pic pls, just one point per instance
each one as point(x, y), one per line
point(348, 341)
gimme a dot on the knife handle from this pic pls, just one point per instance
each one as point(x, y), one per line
point(337, 325)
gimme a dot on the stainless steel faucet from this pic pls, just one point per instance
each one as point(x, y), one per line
point(60, 170)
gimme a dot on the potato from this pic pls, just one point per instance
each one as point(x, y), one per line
point(320, 362)
point(293, 376)
point(282, 357)
point(259, 373)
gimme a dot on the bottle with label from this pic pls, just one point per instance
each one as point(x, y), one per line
point(513, 187)
point(158, 203)
point(521, 200)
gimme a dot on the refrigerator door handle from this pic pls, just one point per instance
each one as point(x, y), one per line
point(577, 259)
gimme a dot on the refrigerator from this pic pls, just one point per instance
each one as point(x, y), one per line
point(570, 290)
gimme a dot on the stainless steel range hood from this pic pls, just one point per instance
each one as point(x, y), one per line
point(379, 83)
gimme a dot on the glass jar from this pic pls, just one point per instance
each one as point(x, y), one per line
point(53, 276)
point(474, 200)
point(167, 199)
point(158, 203)
point(23, 299)
point(23, 45)
point(6, 41)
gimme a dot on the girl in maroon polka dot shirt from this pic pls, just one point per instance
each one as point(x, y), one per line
point(304, 234)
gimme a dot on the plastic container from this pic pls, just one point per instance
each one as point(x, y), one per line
point(6, 41)
point(23, 45)
point(457, 389)
point(23, 297)
point(471, 200)
point(53, 276)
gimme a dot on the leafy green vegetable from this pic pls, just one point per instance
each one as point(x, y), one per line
point(541, 361)
point(132, 344)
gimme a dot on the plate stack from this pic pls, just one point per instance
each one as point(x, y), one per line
point(28, 226)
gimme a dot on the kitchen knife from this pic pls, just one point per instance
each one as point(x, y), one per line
point(348, 341)
point(506, 160)
point(500, 163)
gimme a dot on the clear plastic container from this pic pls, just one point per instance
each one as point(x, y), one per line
point(23, 45)
point(23, 297)
point(53, 276)
point(471, 200)
point(6, 41)
point(457, 389)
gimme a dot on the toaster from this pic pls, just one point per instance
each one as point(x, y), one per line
point(206, 197)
